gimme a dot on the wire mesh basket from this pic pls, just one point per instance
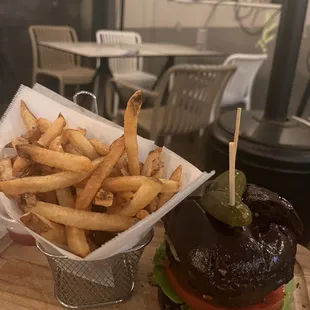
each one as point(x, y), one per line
point(83, 284)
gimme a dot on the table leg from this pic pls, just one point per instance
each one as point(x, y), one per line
point(100, 80)
point(169, 63)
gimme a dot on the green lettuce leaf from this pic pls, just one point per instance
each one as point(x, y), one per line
point(160, 276)
point(289, 290)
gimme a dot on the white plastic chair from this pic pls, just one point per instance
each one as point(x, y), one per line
point(63, 66)
point(126, 69)
point(183, 107)
point(239, 88)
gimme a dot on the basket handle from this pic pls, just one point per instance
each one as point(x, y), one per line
point(84, 92)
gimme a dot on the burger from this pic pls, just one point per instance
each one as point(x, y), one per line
point(217, 256)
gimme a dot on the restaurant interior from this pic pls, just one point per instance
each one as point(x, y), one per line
point(196, 62)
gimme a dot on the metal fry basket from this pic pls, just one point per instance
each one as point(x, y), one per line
point(81, 284)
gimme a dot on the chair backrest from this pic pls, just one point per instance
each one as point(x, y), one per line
point(196, 90)
point(119, 65)
point(241, 84)
point(48, 58)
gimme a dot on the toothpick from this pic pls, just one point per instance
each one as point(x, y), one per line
point(232, 164)
point(237, 129)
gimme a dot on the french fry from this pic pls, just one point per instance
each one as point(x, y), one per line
point(54, 131)
point(145, 194)
point(6, 172)
point(20, 166)
point(130, 132)
point(83, 219)
point(49, 197)
point(133, 183)
point(54, 159)
point(43, 124)
point(82, 131)
point(152, 207)
point(103, 198)
point(76, 138)
point(28, 118)
point(71, 149)
point(19, 141)
point(45, 228)
point(122, 165)
point(142, 214)
point(116, 150)
point(95, 163)
point(175, 176)
point(76, 238)
point(32, 135)
point(151, 162)
point(39, 184)
point(55, 145)
point(101, 148)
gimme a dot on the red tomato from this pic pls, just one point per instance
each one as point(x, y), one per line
point(272, 302)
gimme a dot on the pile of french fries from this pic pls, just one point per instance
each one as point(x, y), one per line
point(59, 176)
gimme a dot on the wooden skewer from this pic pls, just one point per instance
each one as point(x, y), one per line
point(232, 168)
point(237, 129)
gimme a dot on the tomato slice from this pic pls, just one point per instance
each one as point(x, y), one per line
point(272, 302)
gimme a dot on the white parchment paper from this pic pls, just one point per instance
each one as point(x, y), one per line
point(11, 125)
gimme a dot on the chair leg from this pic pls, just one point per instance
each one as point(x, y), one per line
point(167, 141)
point(247, 103)
point(61, 88)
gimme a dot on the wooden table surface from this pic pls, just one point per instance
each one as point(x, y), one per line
point(26, 281)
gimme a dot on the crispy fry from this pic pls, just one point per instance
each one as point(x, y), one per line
point(103, 198)
point(83, 219)
point(76, 237)
point(49, 197)
point(54, 131)
point(101, 148)
point(151, 162)
point(105, 168)
point(175, 176)
point(130, 131)
point(43, 124)
point(152, 207)
point(20, 166)
point(122, 165)
point(133, 183)
point(142, 214)
point(55, 145)
point(19, 141)
point(32, 135)
point(76, 138)
point(39, 184)
point(71, 149)
point(145, 194)
point(82, 131)
point(54, 159)
point(45, 228)
point(6, 172)
point(28, 118)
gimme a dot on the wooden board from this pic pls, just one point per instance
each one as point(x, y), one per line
point(26, 281)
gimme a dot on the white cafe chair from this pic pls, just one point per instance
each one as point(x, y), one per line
point(126, 69)
point(239, 88)
point(63, 66)
point(185, 106)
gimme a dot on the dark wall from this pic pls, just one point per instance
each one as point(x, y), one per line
point(15, 48)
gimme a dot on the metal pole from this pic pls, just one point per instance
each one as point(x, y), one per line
point(285, 59)
point(122, 14)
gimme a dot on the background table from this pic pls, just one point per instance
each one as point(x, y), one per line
point(26, 281)
point(106, 51)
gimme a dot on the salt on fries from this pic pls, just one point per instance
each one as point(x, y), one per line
point(67, 184)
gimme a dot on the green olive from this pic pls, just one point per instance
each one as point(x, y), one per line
point(216, 201)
